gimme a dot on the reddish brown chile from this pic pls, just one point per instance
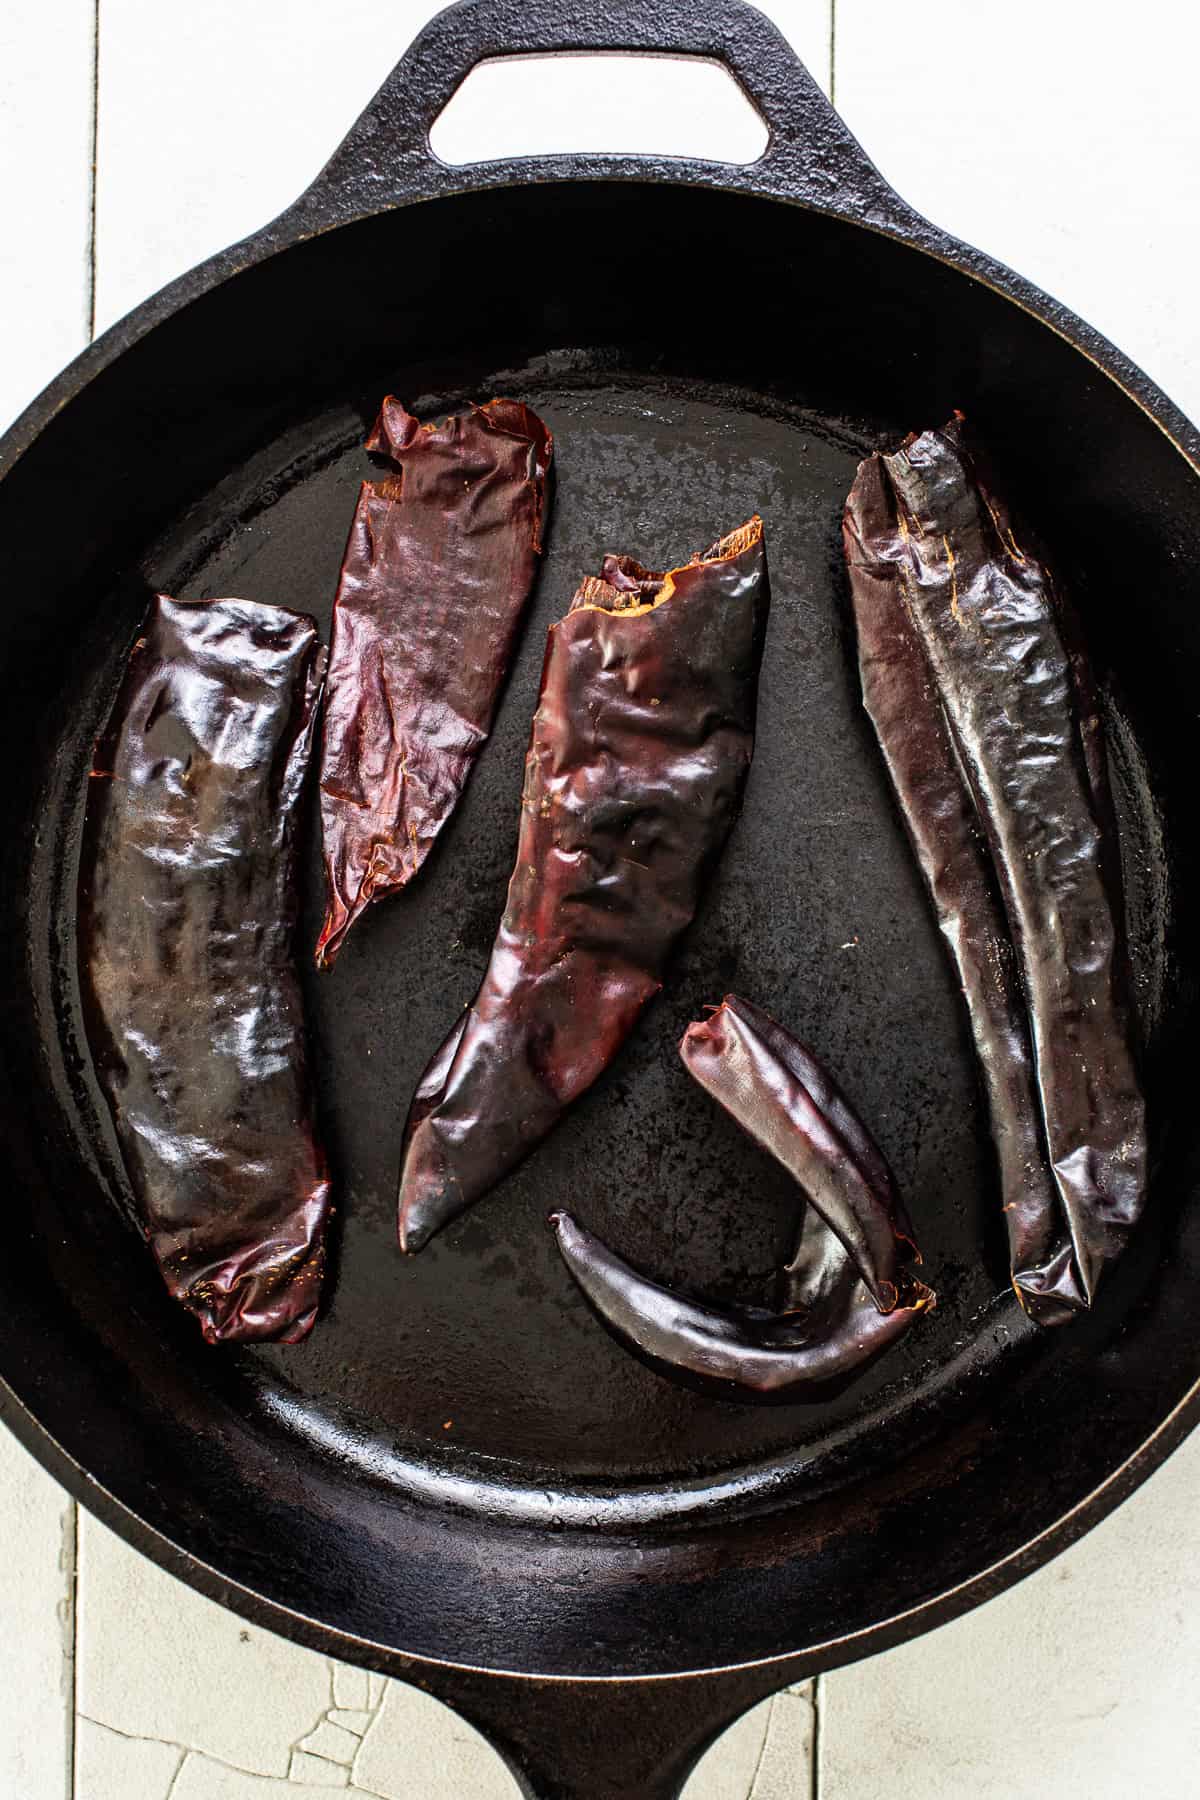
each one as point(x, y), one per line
point(187, 912)
point(639, 752)
point(437, 572)
point(850, 1289)
point(985, 709)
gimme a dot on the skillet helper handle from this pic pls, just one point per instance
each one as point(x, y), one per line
point(386, 159)
point(603, 1740)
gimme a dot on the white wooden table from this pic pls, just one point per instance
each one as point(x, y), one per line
point(137, 136)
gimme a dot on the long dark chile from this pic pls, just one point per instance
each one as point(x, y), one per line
point(853, 1289)
point(437, 573)
point(640, 748)
point(187, 911)
point(952, 853)
point(1018, 706)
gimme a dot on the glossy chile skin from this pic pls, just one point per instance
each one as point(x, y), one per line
point(438, 570)
point(1007, 700)
point(187, 913)
point(639, 752)
point(851, 1289)
point(952, 853)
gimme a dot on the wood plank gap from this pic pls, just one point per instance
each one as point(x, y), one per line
point(89, 321)
point(71, 1642)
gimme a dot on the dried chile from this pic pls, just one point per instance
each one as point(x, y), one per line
point(438, 569)
point(639, 752)
point(187, 911)
point(986, 711)
point(853, 1292)
point(788, 1102)
point(953, 857)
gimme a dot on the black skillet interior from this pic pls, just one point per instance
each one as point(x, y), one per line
point(459, 1463)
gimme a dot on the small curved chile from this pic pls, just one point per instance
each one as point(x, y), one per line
point(779, 1094)
point(437, 572)
point(187, 914)
point(985, 708)
point(854, 1293)
point(639, 752)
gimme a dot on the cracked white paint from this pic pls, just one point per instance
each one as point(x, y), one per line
point(333, 1742)
point(111, 1766)
point(1080, 1684)
point(203, 1779)
point(418, 1747)
point(45, 223)
point(36, 1580)
point(187, 1671)
point(352, 1689)
point(766, 1755)
point(317, 1771)
point(356, 1722)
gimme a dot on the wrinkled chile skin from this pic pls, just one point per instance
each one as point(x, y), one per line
point(952, 854)
point(782, 1097)
point(852, 1289)
point(639, 752)
point(438, 570)
point(187, 913)
point(1018, 707)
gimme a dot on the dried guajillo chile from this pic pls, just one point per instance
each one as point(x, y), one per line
point(639, 752)
point(952, 853)
point(437, 572)
point(851, 1289)
point(987, 714)
point(187, 912)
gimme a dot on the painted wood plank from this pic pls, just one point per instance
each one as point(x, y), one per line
point(765, 1755)
point(213, 118)
point(1073, 155)
point(37, 1525)
point(1066, 144)
point(807, 26)
point(46, 98)
point(1079, 1684)
point(160, 1662)
point(45, 192)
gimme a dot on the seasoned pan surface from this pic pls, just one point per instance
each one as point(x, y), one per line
point(459, 1464)
point(479, 1347)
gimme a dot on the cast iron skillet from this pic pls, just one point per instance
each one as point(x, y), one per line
point(460, 1480)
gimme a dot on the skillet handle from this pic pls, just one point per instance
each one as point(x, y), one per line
point(603, 1740)
point(386, 159)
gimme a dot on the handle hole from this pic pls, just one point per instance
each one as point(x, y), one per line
point(627, 104)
